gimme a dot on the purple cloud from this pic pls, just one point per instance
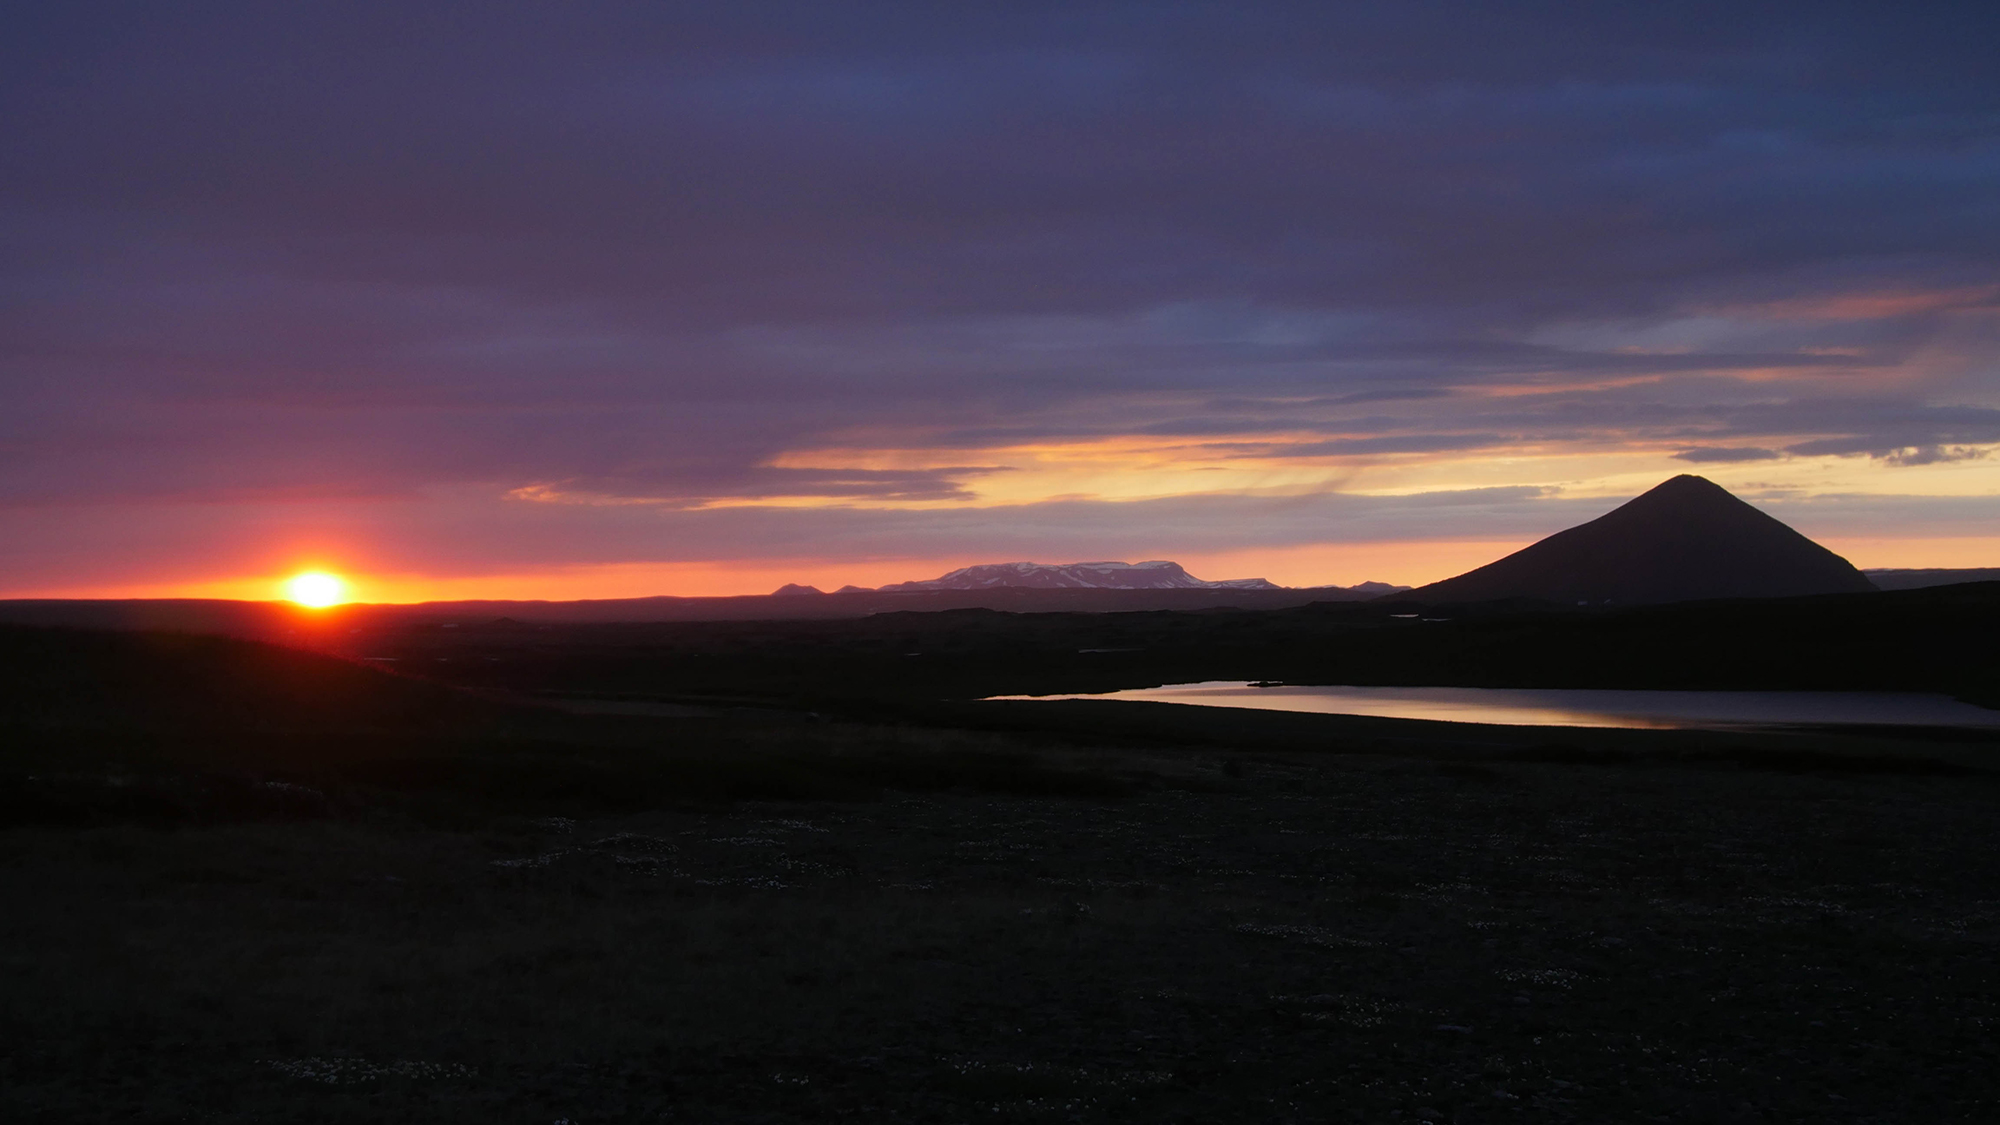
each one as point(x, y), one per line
point(1726, 454)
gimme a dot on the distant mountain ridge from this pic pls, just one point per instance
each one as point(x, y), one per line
point(1154, 574)
point(1687, 539)
point(1917, 578)
point(1157, 574)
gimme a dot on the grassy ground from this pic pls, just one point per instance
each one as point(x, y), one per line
point(1143, 935)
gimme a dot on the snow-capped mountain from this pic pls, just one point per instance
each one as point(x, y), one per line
point(1155, 575)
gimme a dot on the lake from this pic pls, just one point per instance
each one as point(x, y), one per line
point(1563, 707)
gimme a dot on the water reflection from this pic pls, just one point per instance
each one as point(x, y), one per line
point(1560, 707)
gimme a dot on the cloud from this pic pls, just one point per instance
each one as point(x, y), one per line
point(1726, 454)
point(764, 483)
point(1891, 454)
point(1398, 443)
point(358, 259)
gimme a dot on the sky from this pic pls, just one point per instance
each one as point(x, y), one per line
point(613, 299)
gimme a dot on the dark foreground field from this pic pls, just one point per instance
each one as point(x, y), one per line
point(442, 915)
point(1254, 938)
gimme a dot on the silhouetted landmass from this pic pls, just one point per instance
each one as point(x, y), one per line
point(171, 728)
point(256, 883)
point(1687, 539)
point(1932, 639)
point(394, 710)
point(1897, 578)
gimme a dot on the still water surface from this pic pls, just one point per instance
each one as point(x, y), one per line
point(1559, 707)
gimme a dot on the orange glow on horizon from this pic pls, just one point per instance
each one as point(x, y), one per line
point(1957, 553)
point(316, 589)
point(1406, 563)
point(1314, 564)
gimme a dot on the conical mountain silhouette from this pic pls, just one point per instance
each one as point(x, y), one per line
point(1686, 539)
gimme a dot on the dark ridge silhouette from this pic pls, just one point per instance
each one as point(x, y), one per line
point(1906, 578)
point(1688, 539)
point(92, 678)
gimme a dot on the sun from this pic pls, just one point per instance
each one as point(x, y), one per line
point(316, 589)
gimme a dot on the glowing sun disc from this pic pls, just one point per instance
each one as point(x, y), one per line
point(316, 589)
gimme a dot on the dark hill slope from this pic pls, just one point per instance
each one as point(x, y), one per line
point(100, 728)
point(164, 728)
point(76, 677)
point(1686, 540)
